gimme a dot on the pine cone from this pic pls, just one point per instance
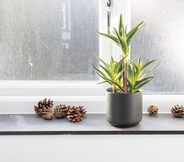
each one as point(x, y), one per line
point(48, 115)
point(44, 108)
point(60, 111)
point(152, 110)
point(177, 111)
point(75, 114)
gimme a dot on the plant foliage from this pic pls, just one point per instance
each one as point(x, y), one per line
point(124, 75)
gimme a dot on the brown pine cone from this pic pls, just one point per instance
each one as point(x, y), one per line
point(48, 115)
point(75, 114)
point(152, 110)
point(60, 111)
point(177, 111)
point(43, 108)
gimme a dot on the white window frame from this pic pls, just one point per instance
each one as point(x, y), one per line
point(19, 97)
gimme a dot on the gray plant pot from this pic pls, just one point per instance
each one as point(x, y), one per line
point(124, 110)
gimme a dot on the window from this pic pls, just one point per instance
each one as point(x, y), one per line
point(162, 38)
point(34, 34)
point(31, 66)
point(46, 40)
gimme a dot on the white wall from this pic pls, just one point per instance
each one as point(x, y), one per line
point(92, 148)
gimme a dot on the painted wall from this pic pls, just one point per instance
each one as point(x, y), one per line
point(92, 148)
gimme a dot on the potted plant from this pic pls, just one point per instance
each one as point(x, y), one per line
point(126, 77)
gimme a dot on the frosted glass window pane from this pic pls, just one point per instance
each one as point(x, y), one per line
point(162, 38)
point(48, 39)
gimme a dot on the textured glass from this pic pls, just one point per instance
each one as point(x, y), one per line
point(161, 38)
point(48, 39)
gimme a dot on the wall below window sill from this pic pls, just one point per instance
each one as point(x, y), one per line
point(92, 124)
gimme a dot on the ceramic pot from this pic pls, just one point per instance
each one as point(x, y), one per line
point(123, 110)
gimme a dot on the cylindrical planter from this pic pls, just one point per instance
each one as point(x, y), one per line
point(124, 110)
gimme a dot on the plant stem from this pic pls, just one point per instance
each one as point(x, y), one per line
point(114, 88)
point(125, 75)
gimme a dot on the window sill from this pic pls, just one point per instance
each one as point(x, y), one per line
point(92, 124)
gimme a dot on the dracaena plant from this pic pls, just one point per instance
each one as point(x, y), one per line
point(124, 75)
